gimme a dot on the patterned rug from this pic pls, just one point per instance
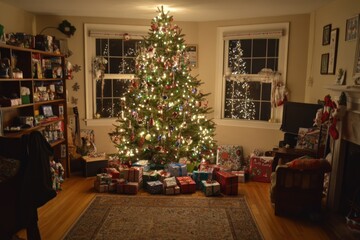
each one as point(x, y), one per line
point(165, 217)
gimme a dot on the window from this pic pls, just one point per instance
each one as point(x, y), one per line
point(250, 59)
point(117, 46)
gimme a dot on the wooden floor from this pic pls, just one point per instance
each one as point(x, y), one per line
point(58, 215)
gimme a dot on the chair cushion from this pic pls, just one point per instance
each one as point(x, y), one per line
point(310, 164)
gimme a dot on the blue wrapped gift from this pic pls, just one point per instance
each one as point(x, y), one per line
point(177, 169)
point(199, 176)
point(142, 163)
point(154, 187)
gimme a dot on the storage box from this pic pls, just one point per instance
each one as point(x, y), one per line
point(93, 165)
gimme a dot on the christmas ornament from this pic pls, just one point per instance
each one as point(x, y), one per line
point(148, 137)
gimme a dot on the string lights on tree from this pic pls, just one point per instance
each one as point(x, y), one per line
point(163, 114)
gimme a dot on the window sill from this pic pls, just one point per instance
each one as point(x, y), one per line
point(248, 124)
point(100, 122)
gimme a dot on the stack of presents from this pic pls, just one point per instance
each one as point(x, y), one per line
point(181, 177)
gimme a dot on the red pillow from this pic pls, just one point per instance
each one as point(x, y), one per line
point(310, 164)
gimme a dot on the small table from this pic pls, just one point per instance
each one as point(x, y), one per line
point(289, 154)
point(93, 165)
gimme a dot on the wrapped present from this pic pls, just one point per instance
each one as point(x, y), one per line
point(240, 175)
point(142, 163)
point(187, 184)
point(210, 187)
point(131, 188)
point(154, 187)
point(120, 183)
point(170, 182)
point(149, 177)
point(172, 190)
point(228, 182)
point(156, 166)
point(103, 178)
point(177, 169)
point(113, 172)
point(133, 174)
point(213, 168)
point(198, 176)
point(163, 174)
point(260, 168)
point(101, 187)
point(190, 166)
point(112, 186)
point(230, 156)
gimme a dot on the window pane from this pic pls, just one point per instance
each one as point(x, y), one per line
point(246, 47)
point(117, 107)
point(266, 92)
point(229, 88)
point(130, 48)
point(101, 47)
point(104, 107)
point(257, 110)
point(254, 90)
point(107, 88)
point(115, 47)
point(120, 87)
point(273, 48)
point(259, 48)
point(128, 66)
point(239, 90)
point(247, 66)
point(257, 65)
point(272, 63)
point(98, 89)
point(115, 65)
point(265, 111)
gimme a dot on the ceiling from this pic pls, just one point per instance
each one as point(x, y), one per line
point(182, 10)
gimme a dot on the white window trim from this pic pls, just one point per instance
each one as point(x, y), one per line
point(219, 73)
point(89, 49)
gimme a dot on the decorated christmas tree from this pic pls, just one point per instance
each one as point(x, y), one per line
point(163, 114)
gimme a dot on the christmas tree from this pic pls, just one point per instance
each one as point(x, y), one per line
point(163, 114)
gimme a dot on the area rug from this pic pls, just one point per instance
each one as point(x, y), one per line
point(165, 217)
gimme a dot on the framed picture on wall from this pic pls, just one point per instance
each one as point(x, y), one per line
point(352, 28)
point(326, 35)
point(192, 50)
point(324, 63)
point(356, 72)
point(333, 50)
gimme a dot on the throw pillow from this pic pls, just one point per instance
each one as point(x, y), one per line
point(310, 164)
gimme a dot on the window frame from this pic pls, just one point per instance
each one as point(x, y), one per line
point(252, 31)
point(90, 53)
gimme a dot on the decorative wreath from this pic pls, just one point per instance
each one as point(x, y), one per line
point(66, 28)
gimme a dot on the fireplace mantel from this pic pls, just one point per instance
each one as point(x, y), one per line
point(348, 127)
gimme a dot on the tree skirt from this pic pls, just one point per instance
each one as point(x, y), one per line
point(165, 217)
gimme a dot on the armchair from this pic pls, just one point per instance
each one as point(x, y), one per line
point(297, 187)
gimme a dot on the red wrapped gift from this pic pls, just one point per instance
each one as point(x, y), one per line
point(228, 182)
point(131, 188)
point(120, 183)
point(187, 184)
point(113, 172)
point(260, 168)
point(133, 174)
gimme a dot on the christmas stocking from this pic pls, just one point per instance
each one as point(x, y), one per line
point(333, 131)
